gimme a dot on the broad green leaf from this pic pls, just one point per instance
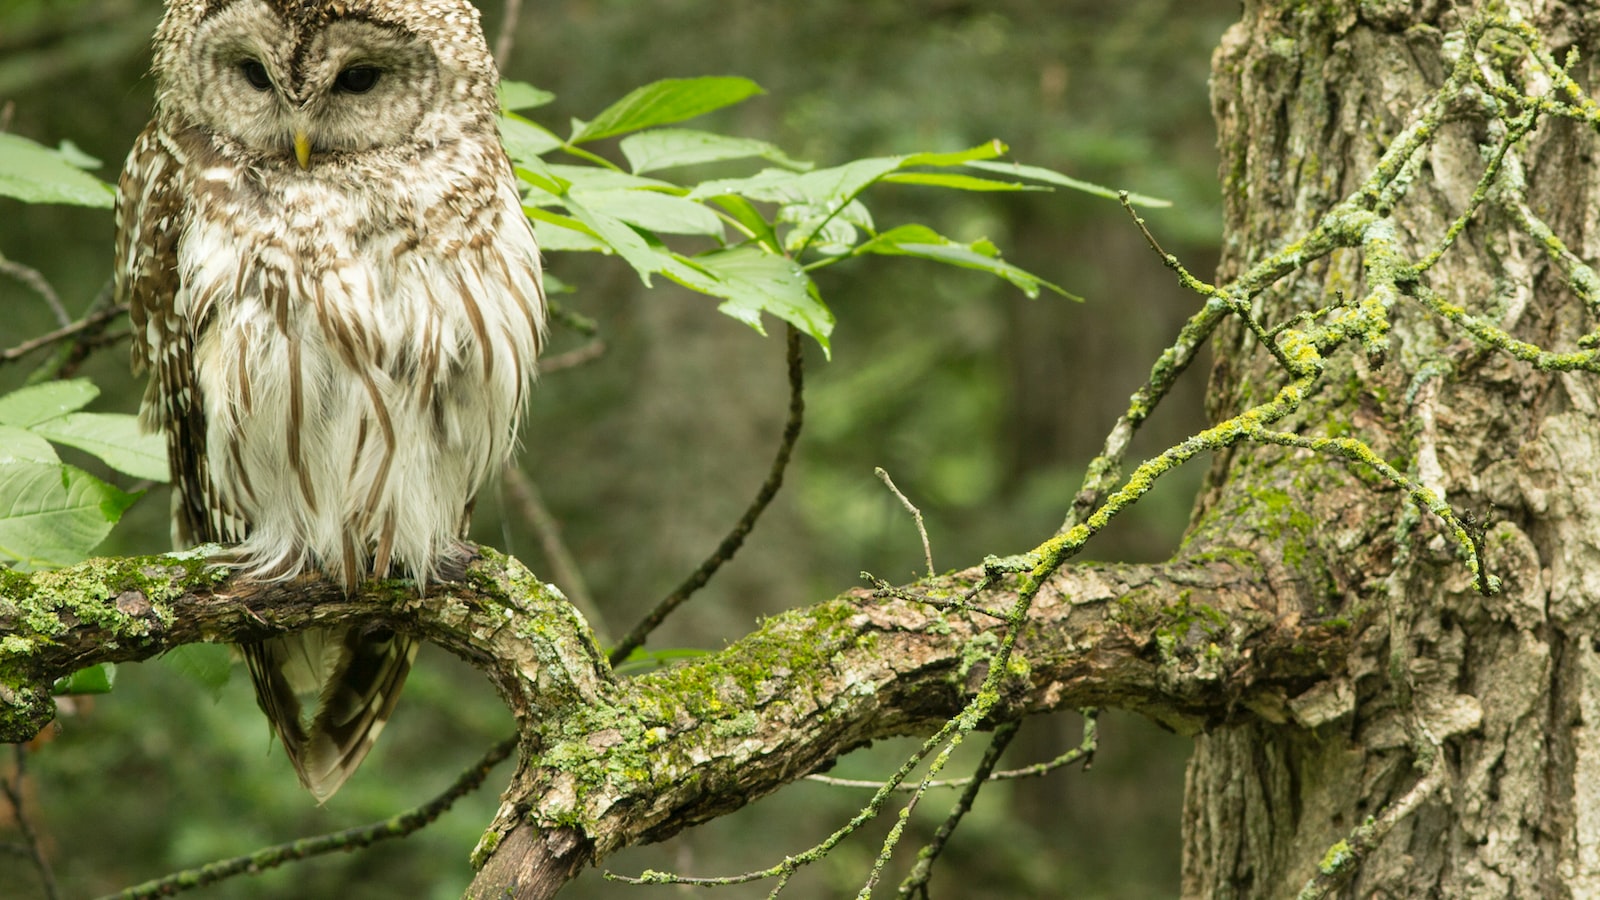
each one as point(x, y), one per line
point(959, 182)
point(627, 243)
point(664, 148)
point(752, 281)
point(665, 102)
point(75, 156)
point(26, 407)
point(36, 174)
point(986, 150)
point(835, 185)
point(54, 515)
point(830, 229)
point(653, 211)
point(20, 443)
point(208, 665)
point(96, 679)
point(558, 239)
point(537, 173)
point(114, 438)
point(745, 213)
point(1048, 176)
point(525, 140)
point(925, 243)
point(521, 95)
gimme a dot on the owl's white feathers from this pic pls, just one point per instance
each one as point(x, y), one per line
point(339, 300)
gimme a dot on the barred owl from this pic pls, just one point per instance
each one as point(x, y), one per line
point(338, 300)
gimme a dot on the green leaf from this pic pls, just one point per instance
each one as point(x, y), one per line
point(36, 174)
point(745, 213)
point(653, 211)
point(628, 244)
point(959, 182)
point(925, 243)
point(114, 438)
point(751, 282)
point(20, 443)
point(830, 229)
point(96, 679)
point(521, 95)
point(664, 102)
point(986, 150)
point(835, 185)
point(664, 148)
point(525, 140)
point(54, 515)
point(29, 406)
point(208, 665)
point(1048, 176)
point(557, 232)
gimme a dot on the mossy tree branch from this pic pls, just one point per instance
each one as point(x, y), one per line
point(606, 763)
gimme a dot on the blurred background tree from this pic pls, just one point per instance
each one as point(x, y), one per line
point(983, 405)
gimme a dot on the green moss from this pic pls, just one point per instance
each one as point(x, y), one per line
point(1337, 857)
point(487, 844)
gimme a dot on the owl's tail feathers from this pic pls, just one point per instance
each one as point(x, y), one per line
point(355, 676)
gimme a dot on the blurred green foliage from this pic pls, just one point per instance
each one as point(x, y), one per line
point(982, 404)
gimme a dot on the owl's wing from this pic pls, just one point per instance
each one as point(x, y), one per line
point(151, 215)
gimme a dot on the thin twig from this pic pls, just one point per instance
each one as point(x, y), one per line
point(1084, 752)
point(349, 839)
point(884, 590)
point(508, 34)
point(564, 569)
point(922, 531)
point(735, 538)
point(573, 358)
point(916, 883)
point(41, 286)
point(12, 787)
point(90, 321)
point(1344, 858)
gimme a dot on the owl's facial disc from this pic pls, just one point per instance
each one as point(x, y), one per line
point(296, 92)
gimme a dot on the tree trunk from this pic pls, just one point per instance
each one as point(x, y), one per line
point(1307, 98)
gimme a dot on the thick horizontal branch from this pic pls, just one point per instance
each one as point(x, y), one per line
point(607, 764)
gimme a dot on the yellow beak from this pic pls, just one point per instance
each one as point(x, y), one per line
point(302, 149)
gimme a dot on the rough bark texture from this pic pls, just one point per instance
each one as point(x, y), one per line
point(1322, 639)
point(606, 764)
point(1307, 97)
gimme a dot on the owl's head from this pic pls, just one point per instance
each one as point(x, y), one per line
point(293, 81)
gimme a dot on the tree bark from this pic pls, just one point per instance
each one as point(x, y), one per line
point(606, 764)
point(1307, 98)
point(1389, 698)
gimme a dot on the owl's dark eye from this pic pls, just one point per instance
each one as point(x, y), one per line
point(256, 74)
point(357, 79)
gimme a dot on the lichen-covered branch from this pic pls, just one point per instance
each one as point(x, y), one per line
point(609, 763)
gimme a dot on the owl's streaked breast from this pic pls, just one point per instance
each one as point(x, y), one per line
point(363, 344)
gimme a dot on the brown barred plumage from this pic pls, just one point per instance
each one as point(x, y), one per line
point(338, 300)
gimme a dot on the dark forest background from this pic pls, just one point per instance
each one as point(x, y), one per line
point(983, 405)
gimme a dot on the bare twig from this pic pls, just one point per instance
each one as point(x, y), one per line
point(922, 531)
point(573, 358)
point(1344, 858)
point(12, 354)
point(735, 538)
point(508, 33)
point(12, 788)
point(40, 285)
point(1083, 752)
point(564, 569)
point(348, 839)
point(916, 883)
